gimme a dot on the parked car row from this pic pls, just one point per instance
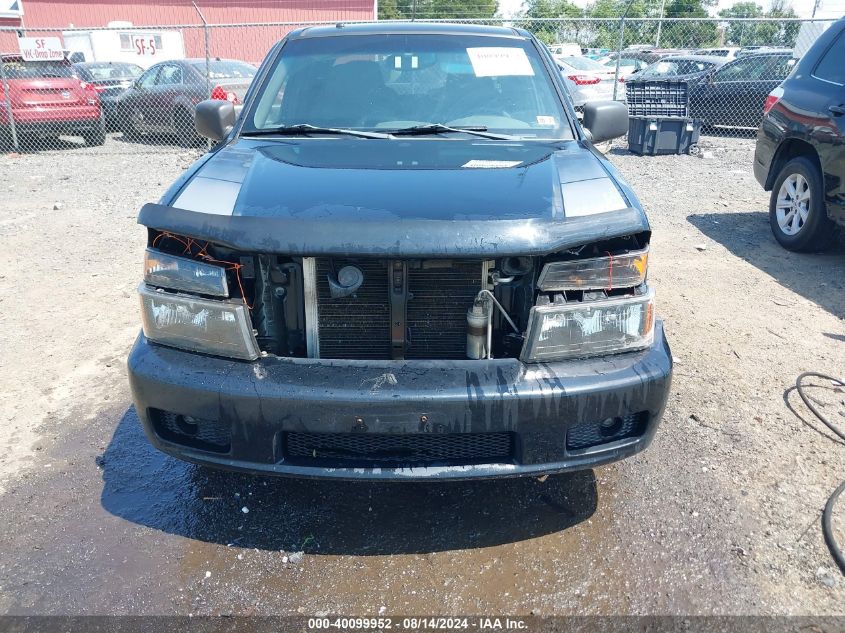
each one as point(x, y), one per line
point(87, 99)
point(722, 92)
point(727, 85)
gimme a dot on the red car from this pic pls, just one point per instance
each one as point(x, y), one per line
point(49, 99)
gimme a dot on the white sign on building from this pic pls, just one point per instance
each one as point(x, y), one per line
point(35, 49)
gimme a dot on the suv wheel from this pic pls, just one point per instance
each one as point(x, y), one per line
point(797, 210)
point(95, 137)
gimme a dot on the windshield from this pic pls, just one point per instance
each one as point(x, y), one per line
point(226, 69)
point(19, 69)
point(104, 72)
point(390, 82)
point(675, 67)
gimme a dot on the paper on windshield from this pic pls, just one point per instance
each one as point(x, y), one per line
point(499, 61)
point(490, 164)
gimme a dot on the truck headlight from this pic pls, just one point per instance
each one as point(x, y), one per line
point(180, 273)
point(596, 273)
point(221, 328)
point(589, 328)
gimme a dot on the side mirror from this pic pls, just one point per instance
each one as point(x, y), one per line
point(605, 120)
point(214, 118)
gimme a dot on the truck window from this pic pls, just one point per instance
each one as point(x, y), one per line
point(831, 67)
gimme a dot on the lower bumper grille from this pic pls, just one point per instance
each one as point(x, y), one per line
point(386, 450)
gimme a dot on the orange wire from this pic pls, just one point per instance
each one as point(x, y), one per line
point(201, 253)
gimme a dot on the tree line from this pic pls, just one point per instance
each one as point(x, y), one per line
point(605, 34)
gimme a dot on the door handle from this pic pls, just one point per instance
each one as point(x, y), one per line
point(837, 110)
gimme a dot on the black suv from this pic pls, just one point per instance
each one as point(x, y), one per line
point(404, 259)
point(800, 154)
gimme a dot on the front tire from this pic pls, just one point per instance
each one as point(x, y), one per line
point(797, 212)
point(126, 124)
point(186, 130)
point(95, 137)
point(6, 144)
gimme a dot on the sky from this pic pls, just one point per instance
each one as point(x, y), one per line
point(804, 8)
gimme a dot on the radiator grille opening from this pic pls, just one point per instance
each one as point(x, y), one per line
point(437, 309)
point(366, 450)
point(356, 326)
point(439, 293)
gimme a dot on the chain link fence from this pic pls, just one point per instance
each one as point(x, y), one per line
point(134, 89)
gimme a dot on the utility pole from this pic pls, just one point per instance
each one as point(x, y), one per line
point(660, 23)
point(816, 7)
point(619, 48)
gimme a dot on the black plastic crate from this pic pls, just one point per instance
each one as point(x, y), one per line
point(659, 97)
point(662, 135)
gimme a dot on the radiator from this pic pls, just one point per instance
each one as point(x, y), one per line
point(439, 293)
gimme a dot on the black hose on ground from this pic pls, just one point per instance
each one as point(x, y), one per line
point(827, 515)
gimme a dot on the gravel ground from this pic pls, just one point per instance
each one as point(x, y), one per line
point(719, 516)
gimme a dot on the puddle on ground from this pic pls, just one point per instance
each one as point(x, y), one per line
point(132, 529)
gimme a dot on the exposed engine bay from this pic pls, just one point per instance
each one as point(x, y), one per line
point(424, 308)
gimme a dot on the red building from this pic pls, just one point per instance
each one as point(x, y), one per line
point(36, 18)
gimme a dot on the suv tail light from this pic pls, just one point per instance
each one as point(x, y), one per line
point(584, 80)
point(224, 95)
point(772, 99)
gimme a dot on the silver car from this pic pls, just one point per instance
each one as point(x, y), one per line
point(587, 80)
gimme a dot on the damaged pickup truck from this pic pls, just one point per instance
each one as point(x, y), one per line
point(404, 259)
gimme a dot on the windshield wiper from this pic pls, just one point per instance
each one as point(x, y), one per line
point(439, 128)
point(304, 129)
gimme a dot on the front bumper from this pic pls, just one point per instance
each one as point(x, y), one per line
point(34, 126)
point(258, 403)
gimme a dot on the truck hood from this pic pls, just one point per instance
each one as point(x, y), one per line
point(431, 196)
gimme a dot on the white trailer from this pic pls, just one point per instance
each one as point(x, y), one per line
point(121, 42)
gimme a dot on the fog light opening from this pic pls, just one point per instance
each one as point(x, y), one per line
point(589, 434)
point(610, 426)
point(187, 425)
point(196, 433)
